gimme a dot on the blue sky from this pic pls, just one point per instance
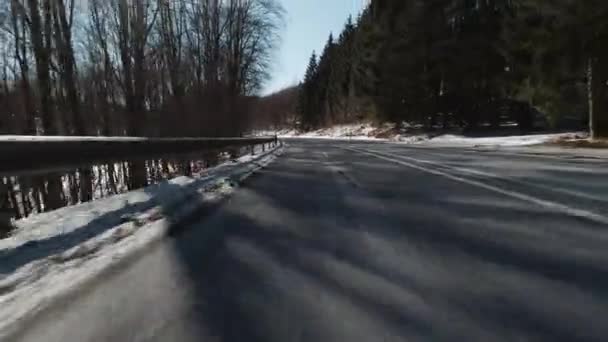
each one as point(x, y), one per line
point(307, 26)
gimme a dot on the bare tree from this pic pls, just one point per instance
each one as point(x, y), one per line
point(172, 27)
point(133, 22)
point(63, 18)
point(234, 39)
point(40, 33)
point(143, 68)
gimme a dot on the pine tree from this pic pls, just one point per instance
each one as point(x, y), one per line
point(466, 63)
point(346, 68)
point(582, 32)
point(326, 85)
point(308, 99)
point(557, 59)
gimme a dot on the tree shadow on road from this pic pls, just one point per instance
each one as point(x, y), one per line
point(258, 280)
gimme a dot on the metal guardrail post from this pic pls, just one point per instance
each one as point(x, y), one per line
point(5, 211)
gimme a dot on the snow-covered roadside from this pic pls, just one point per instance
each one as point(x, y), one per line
point(507, 141)
point(362, 131)
point(387, 132)
point(52, 254)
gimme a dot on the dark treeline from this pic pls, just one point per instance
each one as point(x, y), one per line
point(464, 63)
point(277, 110)
point(128, 67)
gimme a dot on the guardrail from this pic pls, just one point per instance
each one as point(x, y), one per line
point(30, 156)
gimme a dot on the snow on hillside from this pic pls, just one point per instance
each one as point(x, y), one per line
point(508, 141)
point(51, 254)
point(387, 132)
point(364, 131)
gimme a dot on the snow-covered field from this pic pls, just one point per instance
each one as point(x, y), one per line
point(51, 254)
point(369, 132)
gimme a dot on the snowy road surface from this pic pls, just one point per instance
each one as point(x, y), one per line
point(340, 241)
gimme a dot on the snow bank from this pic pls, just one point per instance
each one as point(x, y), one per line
point(361, 131)
point(52, 254)
point(508, 141)
point(388, 132)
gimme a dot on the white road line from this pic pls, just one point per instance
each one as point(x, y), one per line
point(493, 176)
point(508, 152)
point(550, 205)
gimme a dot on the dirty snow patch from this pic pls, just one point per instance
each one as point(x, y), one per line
point(52, 254)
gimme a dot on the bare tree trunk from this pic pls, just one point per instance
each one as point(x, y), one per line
point(20, 31)
point(54, 191)
point(13, 198)
point(74, 188)
point(111, 178)
point(134, 25)
point(25, 199)
point(63, 42)
point(38, 194)
point(5, 211)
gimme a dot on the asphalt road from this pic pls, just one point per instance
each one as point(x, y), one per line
point(340, 241)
